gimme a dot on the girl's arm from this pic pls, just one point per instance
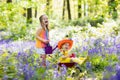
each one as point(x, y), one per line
point(38, 37)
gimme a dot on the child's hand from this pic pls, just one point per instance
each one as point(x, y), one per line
point(46, 41)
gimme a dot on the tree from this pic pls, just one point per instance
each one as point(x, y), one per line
point(35, 12)
point(63, 14)
point(79, 8)
point(29, 15)
point(24, 14)
point(9, 1)
point(68, 8)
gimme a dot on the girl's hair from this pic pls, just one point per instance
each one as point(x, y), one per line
point(40, 19)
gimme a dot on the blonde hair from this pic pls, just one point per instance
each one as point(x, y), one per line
point(40, 19)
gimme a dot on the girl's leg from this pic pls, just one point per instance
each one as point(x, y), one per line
point(43, 56)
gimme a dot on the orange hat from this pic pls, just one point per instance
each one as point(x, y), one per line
point(60, 43)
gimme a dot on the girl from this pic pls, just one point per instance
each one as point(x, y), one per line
point(65, 45)
point(42, 38)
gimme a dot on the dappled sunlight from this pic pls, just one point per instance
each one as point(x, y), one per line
point(93, 26)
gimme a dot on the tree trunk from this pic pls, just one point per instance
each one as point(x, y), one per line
point(24, 14)
point(86, 8)
point(36, 12)
point(9, 1)
point(79, 8)
point(68, 8)
point(29, 15)
point(63, 14)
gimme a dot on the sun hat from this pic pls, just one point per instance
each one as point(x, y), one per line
point(60, 43)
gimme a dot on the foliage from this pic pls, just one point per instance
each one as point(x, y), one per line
point(91, 36)
point(79, 22)
point(99, 63)
point(95, 20)
point(13, 21)
point(21, 60)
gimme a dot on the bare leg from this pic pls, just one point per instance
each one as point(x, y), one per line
point(43, 56)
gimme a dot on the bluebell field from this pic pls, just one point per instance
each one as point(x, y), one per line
point(19, 60)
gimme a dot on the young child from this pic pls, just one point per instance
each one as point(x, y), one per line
point(64, 46)
point(42, 38)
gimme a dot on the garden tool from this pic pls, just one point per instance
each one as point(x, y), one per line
point(49, 49)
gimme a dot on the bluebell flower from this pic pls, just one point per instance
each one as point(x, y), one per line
point(31, 72)
point(118, 48)
point(109, 68)
point(54, 66)
point(118, 74)
point(97, 42)
point(113, 78)
point(85, 48)
point(15, 79)
point(63, 70)
point(5, 77)
point(114, 42)
point(105, 42)
point(47, 63)
point(111, 50)
point(56, 74)
point(117, 67)
point(88, 65)
point(92, 51)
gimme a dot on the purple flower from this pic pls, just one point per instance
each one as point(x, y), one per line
point(5, 41)
point(5, 77)
point(113, 78)
point(88, 65)
point(85, 48)
point(114, 41)
point(118, 46)
point(109, 68)
point(118, 74)
point(31, 72)
point(63, 70)
point(15, 79)
point(28, 72)
point(56, 74)
point(105, 42)
point(117, 67)
point(92, 51)
point(119, 57)
point(111, 50)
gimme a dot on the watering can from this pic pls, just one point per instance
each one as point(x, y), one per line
point(49, 49)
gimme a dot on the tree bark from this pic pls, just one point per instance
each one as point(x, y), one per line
point(68, 8)
point(24, 14)
point(79, 8)
point(63, 14)
point(36, 12)
point(9, 1)
point(29, 15)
